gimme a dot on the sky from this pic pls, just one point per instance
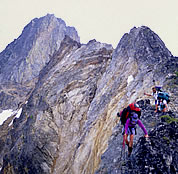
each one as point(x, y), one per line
point(104, 20)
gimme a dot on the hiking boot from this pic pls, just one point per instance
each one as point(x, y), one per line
point(129, 151)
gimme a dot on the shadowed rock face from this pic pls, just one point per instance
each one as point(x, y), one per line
point(70, 114)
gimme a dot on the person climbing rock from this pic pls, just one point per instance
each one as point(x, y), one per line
point(129, 117)
point(163, 105)
point(125, 113)
point(155, 95)
point(130, 130)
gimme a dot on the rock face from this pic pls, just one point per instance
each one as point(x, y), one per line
point(52, 121)
point(71, 110)
point(22, 60)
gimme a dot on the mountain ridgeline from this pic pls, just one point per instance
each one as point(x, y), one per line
point(70, 94)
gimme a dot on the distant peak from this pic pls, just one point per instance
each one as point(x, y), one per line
point(50, 15)
point(91, 41)
point(141, 28)
point(145, 43)
point(136, 30)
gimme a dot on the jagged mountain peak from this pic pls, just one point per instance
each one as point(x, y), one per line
point(34, 27)
point(22, 60)
point(143, 46)
point(144, 38)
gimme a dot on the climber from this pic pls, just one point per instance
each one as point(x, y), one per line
point(130, 129)
point(128, 121)
point(163, 104)
point(125, 113)
point(155, 95)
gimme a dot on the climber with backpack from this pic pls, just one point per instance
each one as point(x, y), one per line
point(161, 98)
point(162, 104)
point(130, 130)
point(129, 117)
point(125, 113)
point(155, 90)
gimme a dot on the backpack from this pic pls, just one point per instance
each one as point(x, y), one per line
point(125, 113)
point(123, 116)
point(164, 96)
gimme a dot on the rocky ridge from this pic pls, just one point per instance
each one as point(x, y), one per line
point(71, 110)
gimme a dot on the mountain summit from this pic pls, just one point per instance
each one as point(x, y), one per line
point(23, 59)
point(70, 94)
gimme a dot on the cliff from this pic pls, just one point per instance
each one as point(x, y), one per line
point(72, 105)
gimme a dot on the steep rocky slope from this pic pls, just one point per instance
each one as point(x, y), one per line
point(22, 60)
point(70, 114)
point(52, 121)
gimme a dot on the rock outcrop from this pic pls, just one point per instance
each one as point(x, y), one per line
point(71, 110)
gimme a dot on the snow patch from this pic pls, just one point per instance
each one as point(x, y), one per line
point(130, 78)
point(5, 114)
point(18, 113)
point(11, 122)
